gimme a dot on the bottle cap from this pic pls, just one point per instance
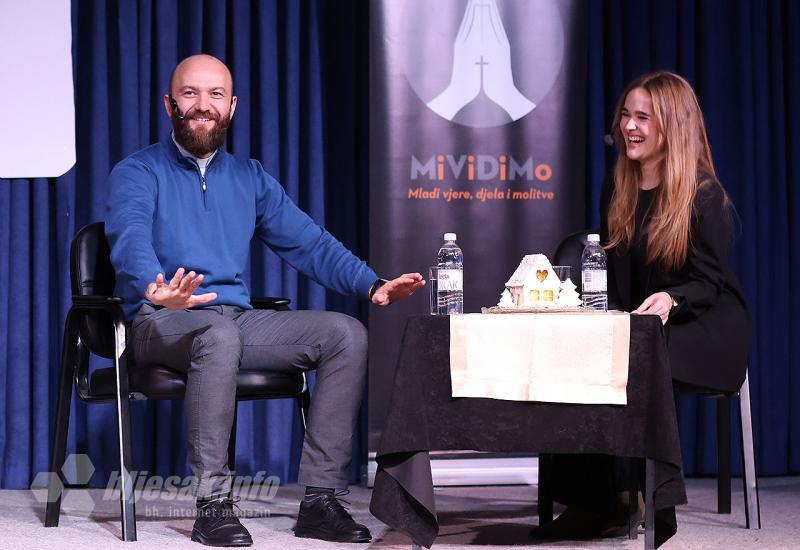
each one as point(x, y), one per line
point(449, 236)
point(593, 238)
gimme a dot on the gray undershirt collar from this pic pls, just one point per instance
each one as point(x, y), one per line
point(201, 163)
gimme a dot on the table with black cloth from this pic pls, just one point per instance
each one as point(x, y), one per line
point(423, 416)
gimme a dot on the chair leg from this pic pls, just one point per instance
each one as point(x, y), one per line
point(232, 440)
point(69, 354)
point(127, 496)
point(724, 455)
point(544, 501)
point(303, 403)
point(649, 506)
point(752, 505)
point(633, 499)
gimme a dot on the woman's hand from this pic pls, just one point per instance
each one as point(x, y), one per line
point(659, 304)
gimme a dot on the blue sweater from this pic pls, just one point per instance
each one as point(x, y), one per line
point(160, 219)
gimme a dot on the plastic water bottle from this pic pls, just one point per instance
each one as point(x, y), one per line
point(450, 297)
point(593, 275)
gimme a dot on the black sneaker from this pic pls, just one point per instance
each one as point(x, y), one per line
point(323, 517)
point(217, 524)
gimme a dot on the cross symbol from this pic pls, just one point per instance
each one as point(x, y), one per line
point(481, 63)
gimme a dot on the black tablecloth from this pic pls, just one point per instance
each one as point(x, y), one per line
point(423, 416)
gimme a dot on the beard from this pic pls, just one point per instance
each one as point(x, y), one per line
point(201, 143)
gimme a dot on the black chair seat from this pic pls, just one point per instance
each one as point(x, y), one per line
point(158, 382)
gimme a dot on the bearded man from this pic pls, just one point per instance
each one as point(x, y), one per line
point(187, 207)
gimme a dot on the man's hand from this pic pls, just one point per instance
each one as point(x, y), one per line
point(179, 293)
point(659, 304)
point(398, 289)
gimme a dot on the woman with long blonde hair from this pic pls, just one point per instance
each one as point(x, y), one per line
point(666, 225)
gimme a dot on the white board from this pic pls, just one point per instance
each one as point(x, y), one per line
point(37, 134)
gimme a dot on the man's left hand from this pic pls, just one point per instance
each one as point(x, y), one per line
point(398, 289)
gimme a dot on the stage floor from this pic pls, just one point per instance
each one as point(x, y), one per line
point(470, 516)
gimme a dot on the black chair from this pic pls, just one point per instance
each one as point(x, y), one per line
point(569, 253)
point(95, 324)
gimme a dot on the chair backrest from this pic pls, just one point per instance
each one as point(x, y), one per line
point(569, 253)
point(92, 274)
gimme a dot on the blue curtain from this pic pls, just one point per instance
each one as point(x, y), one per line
point(742, 57)
point(123, 53)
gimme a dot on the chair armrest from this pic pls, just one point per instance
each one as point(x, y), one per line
point(95, 300)
point(270, 302)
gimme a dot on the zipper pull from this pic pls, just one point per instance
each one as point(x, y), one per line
point(204, 183)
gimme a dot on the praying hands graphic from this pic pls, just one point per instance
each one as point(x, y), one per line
point(481, 60)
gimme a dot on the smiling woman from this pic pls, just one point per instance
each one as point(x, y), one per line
point(665, 222)
point(640, 131)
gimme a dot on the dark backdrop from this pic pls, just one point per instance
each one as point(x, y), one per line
point(300, 73)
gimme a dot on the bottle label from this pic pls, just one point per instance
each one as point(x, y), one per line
point(451, 279)
point(594, 280)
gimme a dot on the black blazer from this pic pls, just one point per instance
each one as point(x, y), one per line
point(708, 333)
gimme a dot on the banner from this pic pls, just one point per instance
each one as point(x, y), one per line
point(477, 112)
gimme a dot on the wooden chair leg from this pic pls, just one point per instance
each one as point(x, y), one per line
point(127, 496)
point(70, 353)
point(724, 455)
point(752, 505)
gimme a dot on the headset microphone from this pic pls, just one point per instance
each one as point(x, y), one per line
point(608, 139)
point(175, 109)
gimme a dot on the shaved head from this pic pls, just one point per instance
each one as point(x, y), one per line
point(200, 103)
point(204, 63)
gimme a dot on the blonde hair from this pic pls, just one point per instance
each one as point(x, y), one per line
point(683, 143)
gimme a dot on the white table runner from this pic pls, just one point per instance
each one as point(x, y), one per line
point(554, 357)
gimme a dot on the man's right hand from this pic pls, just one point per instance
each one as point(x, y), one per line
point(179, 293)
